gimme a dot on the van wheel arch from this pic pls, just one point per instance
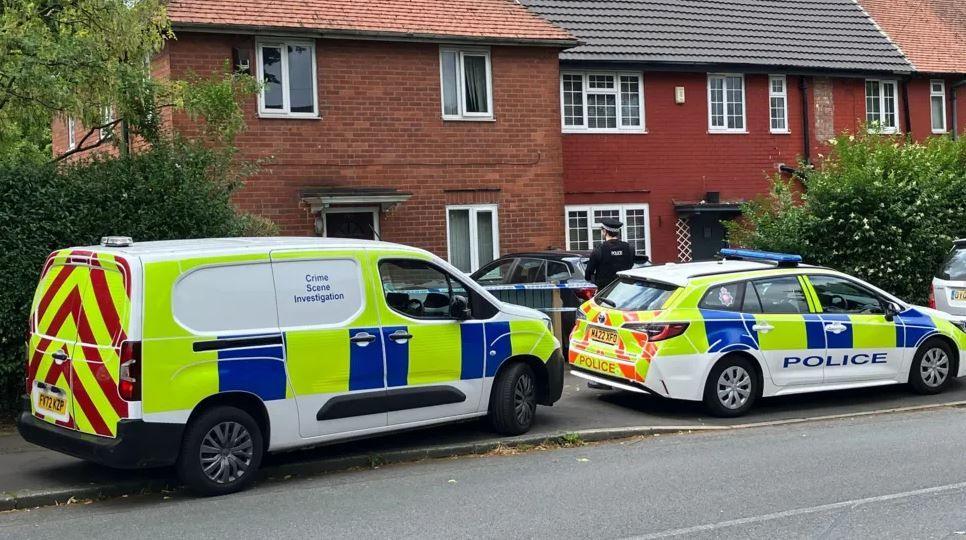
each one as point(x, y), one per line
point(246, 401)
point(539, 368)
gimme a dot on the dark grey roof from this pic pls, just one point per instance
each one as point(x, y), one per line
point(805, 34)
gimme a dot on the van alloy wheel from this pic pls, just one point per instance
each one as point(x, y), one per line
point(734, 387)
point(524, 399)
point(934, 367)
point(226, 452)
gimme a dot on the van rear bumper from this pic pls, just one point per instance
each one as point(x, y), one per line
point(138, 444)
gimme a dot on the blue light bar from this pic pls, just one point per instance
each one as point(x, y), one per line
point(754, 254)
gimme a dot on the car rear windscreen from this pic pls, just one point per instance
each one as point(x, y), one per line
point(635, 295)
point(954, 268)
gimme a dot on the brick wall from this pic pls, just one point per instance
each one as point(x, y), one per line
point(381, 126)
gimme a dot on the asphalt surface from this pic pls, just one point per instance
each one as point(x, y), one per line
point(898, 475)
point(25, 467)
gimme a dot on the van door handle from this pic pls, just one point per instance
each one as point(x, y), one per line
point(400, 336)
point(836, 328)
point(362, 339)
point(60, 357)
point(764, 328)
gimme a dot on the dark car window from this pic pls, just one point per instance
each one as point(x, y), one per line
point(529, 271)
point(839, 295)
point(725, 297)
point(557, 271)
point(634, 295)
point(751, 303)
point(495, 273)
point(418, 289)
point(954, 267)
point(781, 295)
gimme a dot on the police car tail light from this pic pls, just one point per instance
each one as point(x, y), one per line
point(658, 331)
point(586, 293)
point(129, 379)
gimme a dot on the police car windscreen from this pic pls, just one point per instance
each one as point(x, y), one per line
point(635, 295)
point(955, 266)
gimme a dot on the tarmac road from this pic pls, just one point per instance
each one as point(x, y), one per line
point(897, 475)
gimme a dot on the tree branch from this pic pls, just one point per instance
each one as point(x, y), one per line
point(80, 144)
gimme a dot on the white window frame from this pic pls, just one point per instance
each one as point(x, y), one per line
point(744, 104)
point(107, 116)
point(784, 96)
point(622, 210)
point(374, 210)
point(285, 111)
point(881, 128)
point(584, 83)
point(71, 136)
point(474, 232)
point(941, 93)
point(462, 114)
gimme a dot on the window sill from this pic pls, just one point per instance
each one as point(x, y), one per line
point(940, 132)
point(786, 132)
point(267, 116)
point(727, 132)
point(468, 119)
point(604, 132)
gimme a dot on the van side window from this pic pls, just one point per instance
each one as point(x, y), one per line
point(417, 289)
point(318, 292)
point(725, 297)
point(781, 295)
point(236, 298)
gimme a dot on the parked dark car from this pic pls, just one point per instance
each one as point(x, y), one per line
point(550, 281)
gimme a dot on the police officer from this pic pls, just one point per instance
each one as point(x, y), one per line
point(610, 257)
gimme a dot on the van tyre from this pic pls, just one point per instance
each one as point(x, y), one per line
point(221, 452)
point(932, 367)
point(513, 400)
point(732, 387)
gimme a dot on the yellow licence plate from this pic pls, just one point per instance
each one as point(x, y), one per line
point(958, 294)
point(51, 403)
point(603, 335)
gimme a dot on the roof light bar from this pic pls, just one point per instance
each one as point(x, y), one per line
point(789, 259)
point(116, 241)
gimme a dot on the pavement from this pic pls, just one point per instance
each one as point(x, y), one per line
point(899, 475)
point(31, 476)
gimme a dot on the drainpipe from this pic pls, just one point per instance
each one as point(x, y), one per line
point(806, 137)
point(906, 118)
point(955, 115)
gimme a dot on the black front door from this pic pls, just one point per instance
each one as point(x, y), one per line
point(358, 225)
point(707, 236)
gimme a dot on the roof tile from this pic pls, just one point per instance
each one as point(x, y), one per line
point(931, 33)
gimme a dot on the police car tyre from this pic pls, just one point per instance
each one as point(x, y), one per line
point(513, 400)
point(221, 452)
point(932, 368)
point(732, 387)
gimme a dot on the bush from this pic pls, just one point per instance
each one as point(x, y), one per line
point(175, 190)
point(881, 208)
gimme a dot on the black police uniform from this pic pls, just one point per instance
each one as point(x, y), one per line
point(609, 258)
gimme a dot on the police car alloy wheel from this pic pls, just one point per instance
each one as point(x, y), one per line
point(513, 400)
point(221, 451)
point(932, 367)
point(732, 387)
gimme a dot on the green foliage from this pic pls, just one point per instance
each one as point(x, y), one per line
point(881, 208)
point(174, 190)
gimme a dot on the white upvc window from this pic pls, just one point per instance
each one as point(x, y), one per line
point(882, 106)
point(726, 103)
point(473, 235)
point(583, 225)
point(778, 103)
point(937, 105)
point(107, 116)
point(71, 136)
point(602, 102)
point(466, 83)
point(287, 71)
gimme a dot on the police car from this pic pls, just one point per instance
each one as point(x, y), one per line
point(205, 354)
point(758, 324)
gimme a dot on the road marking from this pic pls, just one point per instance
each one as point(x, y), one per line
point(801, 511)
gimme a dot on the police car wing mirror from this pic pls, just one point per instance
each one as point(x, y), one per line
point(891, 310)
point(459, 308)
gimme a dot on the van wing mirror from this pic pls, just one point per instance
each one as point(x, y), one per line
point(459, 308)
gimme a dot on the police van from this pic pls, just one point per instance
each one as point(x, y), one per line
point(759, 324)
point(208, 353)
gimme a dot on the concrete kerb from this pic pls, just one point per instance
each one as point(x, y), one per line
point(33, 498)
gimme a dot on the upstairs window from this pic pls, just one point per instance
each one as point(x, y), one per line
point(881, 106)
point(726, 103)
point(107, 118)
point(287, 72)
point(71, 136)
point(602, 102)
point(778, 103)
point(937, 104)
point(467, 85)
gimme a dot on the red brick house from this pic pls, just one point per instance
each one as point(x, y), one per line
point(675, 113)
point(429, 122)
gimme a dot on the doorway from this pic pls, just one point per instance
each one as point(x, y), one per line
point(356, 223)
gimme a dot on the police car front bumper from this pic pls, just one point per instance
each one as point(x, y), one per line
point(138, 444)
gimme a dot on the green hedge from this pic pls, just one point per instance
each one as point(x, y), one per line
point(881, 208)
point(175, 190)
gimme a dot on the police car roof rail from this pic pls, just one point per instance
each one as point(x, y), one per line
point(780, 260)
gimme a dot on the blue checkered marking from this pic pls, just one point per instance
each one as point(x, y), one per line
point(258, 370)
point(365, 363)
point(473, 347)
point(843, 340)
point(498, 339)
point(728, 330)
point(397, 357)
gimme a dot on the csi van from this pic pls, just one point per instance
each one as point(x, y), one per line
point(206, 354)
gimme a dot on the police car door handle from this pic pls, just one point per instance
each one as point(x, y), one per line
point(400, 335)
point(362, 339)
point(764, 328)
point(836, 328)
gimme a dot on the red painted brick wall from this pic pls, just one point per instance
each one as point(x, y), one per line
point(381, 126)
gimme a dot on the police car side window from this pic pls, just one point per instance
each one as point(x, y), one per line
point(417, 289)
point(781, 295)
point(725, 297)
point(839, 295)
point(751, 302)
